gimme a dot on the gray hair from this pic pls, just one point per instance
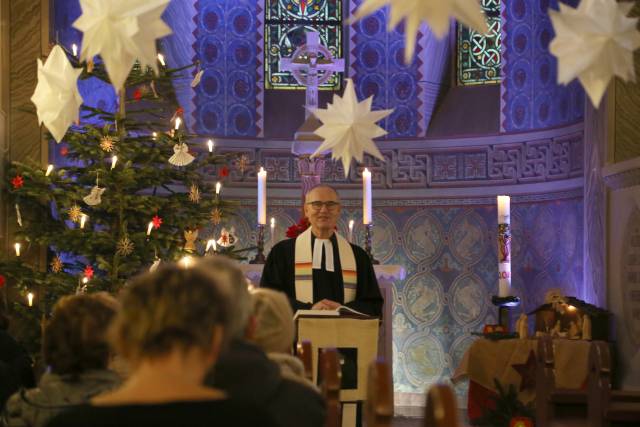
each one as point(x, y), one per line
point(322, 186)
point(234, 284)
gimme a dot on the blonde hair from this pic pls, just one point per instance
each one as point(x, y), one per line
point(274, 331)
point(172, 307)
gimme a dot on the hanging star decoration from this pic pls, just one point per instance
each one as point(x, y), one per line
point(75, 213)
point(436, 13)
point(348, 128)
point(194, 194)
point(216, 216)
point(122, 31)
point(56, 264)
point(56, 97)
point(527, 371)
point(17, 182)
point(125, 246)
point(243, 162)
point(594, 42)
point(88, 272)
point(157, 221)
point(107, 143)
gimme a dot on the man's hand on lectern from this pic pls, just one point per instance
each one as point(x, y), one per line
point(326, 304)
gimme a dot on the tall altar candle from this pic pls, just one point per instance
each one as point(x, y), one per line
point(504, 246)
point(262, 197)
point(366, 197)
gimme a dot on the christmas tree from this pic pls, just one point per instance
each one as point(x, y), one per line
point(134, 192)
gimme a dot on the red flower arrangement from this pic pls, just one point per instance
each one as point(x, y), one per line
point(297, 229)
point(17, 182)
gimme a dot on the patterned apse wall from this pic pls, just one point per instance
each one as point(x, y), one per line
point(449, 253)
point(531, 99)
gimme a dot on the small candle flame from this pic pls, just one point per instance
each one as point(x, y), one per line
point(30, 299)
point(218, 187)
point(178, 123)
point(210, 144)
point(161, 59)
point(74, 49)
point(83, 220)
point(49, 170)
point(211, 244)
point(114, 160)
point(149, 228)
point(17, 247)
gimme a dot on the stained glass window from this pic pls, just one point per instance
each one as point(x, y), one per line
point(286, 24)
point(479, 56)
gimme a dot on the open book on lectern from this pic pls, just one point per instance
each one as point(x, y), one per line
point(340, 311)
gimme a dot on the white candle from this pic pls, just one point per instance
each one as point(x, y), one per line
point(49, 170)
point(262, 197)
point(366, 197)
point(273, 231)
point(154, 135)
point(351, 224)
point(178, 123)
point(161, 59)
point(210, 145)
point(504, 210)
point(74, 49)
point(218, 188)
point(17, 247)
point(149, 228)
point(114, 160)
point(211, 244)
point(30, 299)
point(83, 220)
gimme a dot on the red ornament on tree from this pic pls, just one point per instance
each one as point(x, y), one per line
point(88, 272)
point(137, 94)
point(2, 281)
point(157, 222)
point(17, 182)
point(64, 151)
point(224, 172)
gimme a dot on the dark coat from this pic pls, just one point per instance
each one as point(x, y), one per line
point(15, 367)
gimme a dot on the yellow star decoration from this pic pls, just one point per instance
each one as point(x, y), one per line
point(56, 265)
point(216, 216)
point(75, 213)
point(107, 143)
point(125, 246)
point(194, 194)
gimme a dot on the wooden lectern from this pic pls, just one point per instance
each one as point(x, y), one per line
point(356, 339)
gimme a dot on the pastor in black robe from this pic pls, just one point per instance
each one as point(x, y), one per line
point(279, 274)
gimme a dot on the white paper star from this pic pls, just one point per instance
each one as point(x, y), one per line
point(56, 96)
point(348, 127)
point(122, 31)
point(436, 13)
point(594, 42)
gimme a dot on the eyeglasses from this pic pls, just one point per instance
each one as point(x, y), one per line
point(330, 205)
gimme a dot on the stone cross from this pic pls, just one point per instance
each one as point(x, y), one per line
point(306, 66)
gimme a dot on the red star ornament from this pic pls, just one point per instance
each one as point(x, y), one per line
point(157, 222)
point(137, 94)
point(88, 272)
point(2, 281)
point(224, 172)
point(527, 371)
point(17, 182)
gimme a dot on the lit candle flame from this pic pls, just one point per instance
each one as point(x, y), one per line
point(154, 135)
point(83, 220)
point(49, 170)
point(178, 123)
point(210, 145)
point(74, 49)
point(85, 280)
point(30, 299)
point(186, 261)
point(218, 187)
point(114, 160)
point(161, 59)
point(17, 247)
point(273, 222)
point(149, 228)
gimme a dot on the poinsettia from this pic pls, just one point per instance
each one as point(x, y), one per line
point(297, 229)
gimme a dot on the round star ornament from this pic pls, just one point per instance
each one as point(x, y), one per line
point(349, 127)
point(436, 13)
point(56, 97)
point(121, 32)
point(594, 42)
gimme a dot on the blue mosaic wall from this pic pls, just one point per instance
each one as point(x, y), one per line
point(531, 99)
point(450, 257)
point(229, 50)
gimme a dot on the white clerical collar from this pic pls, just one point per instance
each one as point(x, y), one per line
point(318, 244)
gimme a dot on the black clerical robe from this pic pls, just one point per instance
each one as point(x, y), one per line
point(279, 274)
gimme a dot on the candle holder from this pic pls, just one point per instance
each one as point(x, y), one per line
point(367, 243)
point(259, 258)
point(505, 306)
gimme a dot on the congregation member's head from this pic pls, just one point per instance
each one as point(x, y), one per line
point(322, 208)
point(75, 338)
point(235, 286)
point(274, 329)
point(172, 311)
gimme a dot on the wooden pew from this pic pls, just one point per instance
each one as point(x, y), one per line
point(552, 402)
point(303, 351)
point(331, 375)
point(608, 407)
point(378, 409)
point(441, 409)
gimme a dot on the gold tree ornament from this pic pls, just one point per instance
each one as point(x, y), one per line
point(216, 216)
point(125, 246)
point(243, 162)
point(56, 265)
point(75, 213)
point(194, 194)
point(190, 236)
point(107, 143)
